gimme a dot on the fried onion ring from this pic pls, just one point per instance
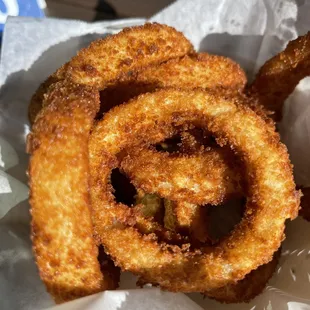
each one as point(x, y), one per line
point(271, 198)
point(248, 288)
point(209, 70)
point(200, 70)
point(208, 177)
point(60, 206)
point(279, 76)
point(117, 58)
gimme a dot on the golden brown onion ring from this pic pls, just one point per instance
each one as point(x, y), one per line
point(196, 71)
point(249, 287)
point(271, 198)
point(117, 58)
point(62, 232)
point(279, 76)
point(208, 177)
point(202, 70)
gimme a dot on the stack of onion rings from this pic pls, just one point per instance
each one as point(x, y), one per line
point(177, 90)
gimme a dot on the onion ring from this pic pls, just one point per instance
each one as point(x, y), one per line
point(209, 73)
point(61, 220)
point(279, 76)
point(102, 63)
point(248, 288)
point(208, 177)
point(117, 58)
point(200, 70)
point(272, 197)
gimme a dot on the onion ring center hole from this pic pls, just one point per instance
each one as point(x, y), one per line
point(222, 219)
point(124, 191)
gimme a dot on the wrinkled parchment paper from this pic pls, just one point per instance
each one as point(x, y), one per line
point(250, 32)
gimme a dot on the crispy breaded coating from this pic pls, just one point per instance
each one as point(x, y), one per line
point(271, 194)
point(279, 76)
point(196, 140)
point(36, 101)
point(117, 57)
point(200, 70)
point(192, 220)
point(191, 71)
point(62, 233)
point(207, 177)
point(108, 61)
point(248, 288)
point(147, 225)
point(195, 221)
